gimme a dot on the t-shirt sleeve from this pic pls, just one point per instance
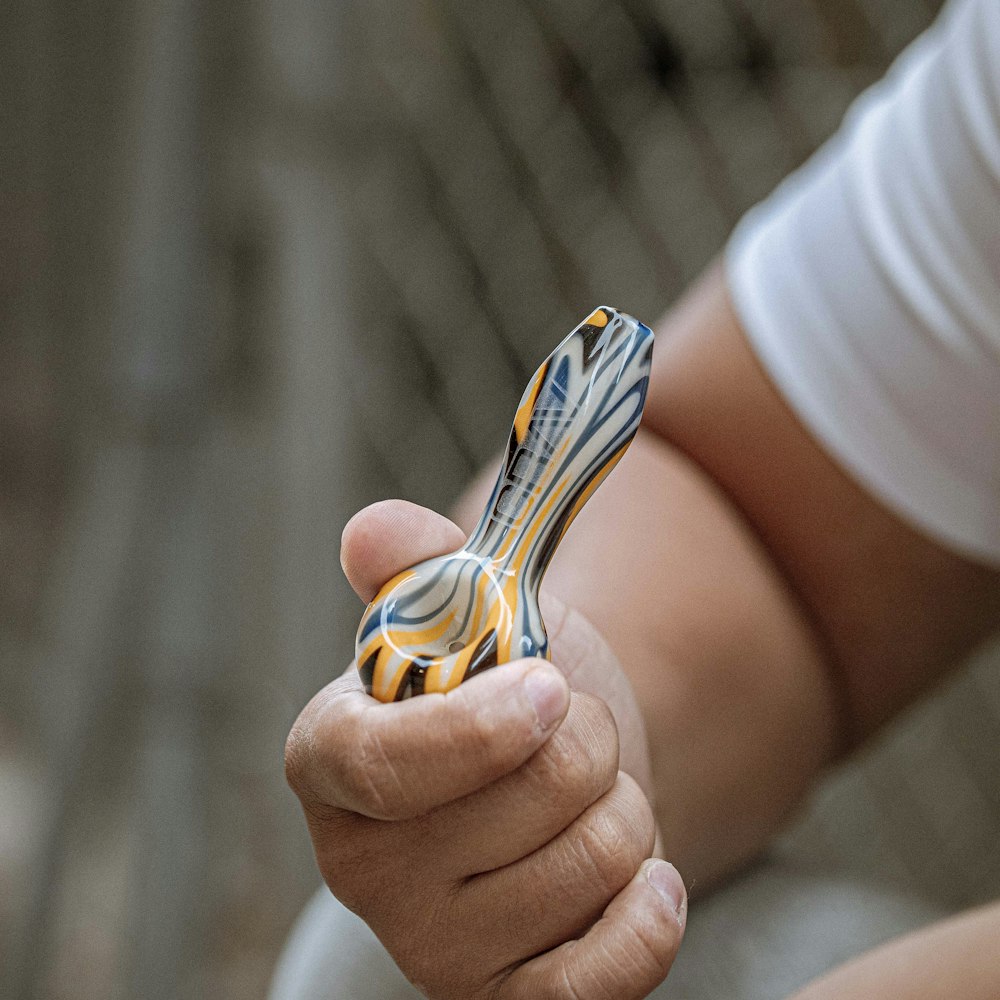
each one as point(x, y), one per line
point(869, 285)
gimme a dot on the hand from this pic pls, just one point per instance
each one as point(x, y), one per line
point(488, 836)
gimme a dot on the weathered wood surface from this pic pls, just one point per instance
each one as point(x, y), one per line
point(265, 263)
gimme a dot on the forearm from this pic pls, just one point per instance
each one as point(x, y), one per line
point(958, 957)
point(769, 612)
point(891, 609)
point(734, 695)
point(736, 700)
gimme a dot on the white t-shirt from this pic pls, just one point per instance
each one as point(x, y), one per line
point(869, 284)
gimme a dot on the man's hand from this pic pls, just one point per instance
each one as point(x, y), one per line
point(492, 837)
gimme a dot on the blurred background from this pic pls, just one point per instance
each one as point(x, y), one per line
point(263, 263)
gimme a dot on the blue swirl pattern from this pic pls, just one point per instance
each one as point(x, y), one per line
point(451, 617)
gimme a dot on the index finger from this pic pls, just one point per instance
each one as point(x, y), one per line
point(395, 761)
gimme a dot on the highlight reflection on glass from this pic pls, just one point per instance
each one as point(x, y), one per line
point(448, 618)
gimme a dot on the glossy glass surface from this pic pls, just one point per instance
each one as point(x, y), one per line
point(446, 619)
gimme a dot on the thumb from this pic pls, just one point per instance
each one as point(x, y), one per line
point(389, 536)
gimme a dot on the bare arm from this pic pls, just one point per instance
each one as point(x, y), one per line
point(768, 611)
point(759, 603)
point(956, 957)
point(891, 609)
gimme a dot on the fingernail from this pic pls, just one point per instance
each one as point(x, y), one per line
point(666, 880)
point(547, 695)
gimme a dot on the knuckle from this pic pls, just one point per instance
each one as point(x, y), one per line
point(602, 851)
point(615, 838)
point(336, 762)
point(313, 751)
point(372, 779)
point(575, 767)
point(567, 763)
point(298, 758)
point(597, 727)
point(636, 807)
point(301, 771)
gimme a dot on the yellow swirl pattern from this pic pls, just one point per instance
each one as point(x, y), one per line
point(446, 619)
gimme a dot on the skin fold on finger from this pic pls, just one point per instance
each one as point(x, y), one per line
point(521, 812)
point(347, 751)
point(589, 664)
point(387, 537)
point(556, 893)
point(623, 956)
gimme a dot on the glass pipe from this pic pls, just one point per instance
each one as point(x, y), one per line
point(451, 617)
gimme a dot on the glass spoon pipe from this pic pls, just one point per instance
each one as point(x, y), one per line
point(448, 618)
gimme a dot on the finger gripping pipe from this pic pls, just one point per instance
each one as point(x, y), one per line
point(451, 617)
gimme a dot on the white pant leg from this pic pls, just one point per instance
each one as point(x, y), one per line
point(331, 954)
point(779, 926)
